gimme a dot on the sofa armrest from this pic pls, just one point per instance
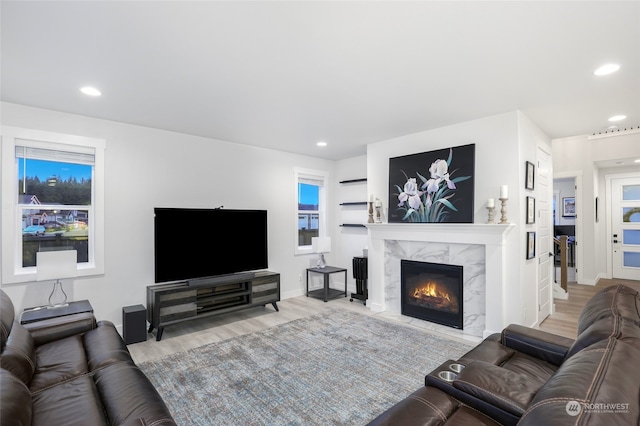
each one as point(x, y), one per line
point(508, 390)
point(51, 329)
point(537, 343)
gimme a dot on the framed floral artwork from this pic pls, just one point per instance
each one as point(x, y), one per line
point(530, 175)
point(433, 187)
point(531, 245)
point(531, 210)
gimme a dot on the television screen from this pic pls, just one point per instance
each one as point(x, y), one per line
point(198, 243)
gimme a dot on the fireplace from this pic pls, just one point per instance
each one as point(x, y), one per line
point(432, 292)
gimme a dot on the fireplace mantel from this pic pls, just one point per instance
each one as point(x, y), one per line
point(465, 233)
point(490, 236)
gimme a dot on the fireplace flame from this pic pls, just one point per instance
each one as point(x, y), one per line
point(433, 296)
point(430, 289)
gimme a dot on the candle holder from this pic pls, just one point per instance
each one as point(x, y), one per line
point(491, 213)
point(378, 208)
point(370, 212)
point(503, 210)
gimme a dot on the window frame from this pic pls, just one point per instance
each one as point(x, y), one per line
point(12, 269)
point(320, 175)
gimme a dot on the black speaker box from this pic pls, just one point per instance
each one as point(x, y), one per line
point(134, 324)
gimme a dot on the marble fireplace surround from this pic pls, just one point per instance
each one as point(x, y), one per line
point(479, 248)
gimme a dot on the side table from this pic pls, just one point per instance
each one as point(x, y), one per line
point(30, 315)
point(327, 293)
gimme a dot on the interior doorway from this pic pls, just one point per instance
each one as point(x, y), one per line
point(564, 222)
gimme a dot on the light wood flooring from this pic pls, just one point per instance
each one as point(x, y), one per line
point(191, 334)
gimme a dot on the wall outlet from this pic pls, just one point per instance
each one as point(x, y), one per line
point(299, 278)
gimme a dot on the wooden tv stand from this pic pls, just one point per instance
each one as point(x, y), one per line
point(172, 303)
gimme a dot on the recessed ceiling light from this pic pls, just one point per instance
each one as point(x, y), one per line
point(617, 118)
point(91, 91)
point(321, 143)
point(637, 161)
point(606, 69)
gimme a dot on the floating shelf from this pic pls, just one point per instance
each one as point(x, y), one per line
point(354, 180)
point(354, 203)
point(353, 225)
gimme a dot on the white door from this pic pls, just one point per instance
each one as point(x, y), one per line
point(544, 196)
point(625, 228)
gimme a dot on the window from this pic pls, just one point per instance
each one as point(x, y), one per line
point(310, 207)
point(54, 185)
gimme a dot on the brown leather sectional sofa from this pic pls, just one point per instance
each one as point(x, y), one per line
point(71, 370)
point(529, 377)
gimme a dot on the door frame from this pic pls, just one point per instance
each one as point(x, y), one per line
point(608, 202)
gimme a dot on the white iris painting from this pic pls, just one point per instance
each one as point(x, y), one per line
point(432, 187)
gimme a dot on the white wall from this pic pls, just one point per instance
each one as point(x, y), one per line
point(577, 156)
point(349, 242)
point(503, 142)
point(146, 168)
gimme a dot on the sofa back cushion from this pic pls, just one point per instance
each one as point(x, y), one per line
point(598, 385)
point(612, 312)
point(15, 400)
point(613, 300)
point(7, 316)
point(19, 354)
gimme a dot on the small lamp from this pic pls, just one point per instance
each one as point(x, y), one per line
point(321, 245)
point(55, 265)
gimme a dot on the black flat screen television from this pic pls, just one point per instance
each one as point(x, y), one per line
point(200, 243)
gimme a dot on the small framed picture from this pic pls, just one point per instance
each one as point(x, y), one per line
point(531, 245)
point(530, 175)
point(568, 206)
point(531, 210)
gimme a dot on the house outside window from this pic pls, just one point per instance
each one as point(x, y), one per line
point(54, 184)
point(311, 196)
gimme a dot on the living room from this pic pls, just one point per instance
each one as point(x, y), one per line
point(146, 167)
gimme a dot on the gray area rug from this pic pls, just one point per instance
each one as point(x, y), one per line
point(335, 368)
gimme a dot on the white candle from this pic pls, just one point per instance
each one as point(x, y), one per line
point(371, 197)
point(504, 192)
point(490, 203)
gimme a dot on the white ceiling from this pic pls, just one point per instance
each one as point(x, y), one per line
point(285, 75)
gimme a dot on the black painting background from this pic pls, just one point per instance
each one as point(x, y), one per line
point(462, 164)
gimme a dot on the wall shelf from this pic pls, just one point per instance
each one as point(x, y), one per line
point(353, 225)
point(354, 180)
point(354, 203)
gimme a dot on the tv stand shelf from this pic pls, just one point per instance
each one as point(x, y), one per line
point(173, 303)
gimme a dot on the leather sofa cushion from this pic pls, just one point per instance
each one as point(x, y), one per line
point(429, 406)
point(104, 346)
point(15, 400)
point(611, 301)
point(73, 403)
point(19, 356)
point(609, 326)
point(600, 374)
point(127, 394)
point(58, 362)
point(506, 389)
point(7, 318)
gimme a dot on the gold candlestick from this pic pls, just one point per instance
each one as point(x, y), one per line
point(503, 210)
point(370, 212)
